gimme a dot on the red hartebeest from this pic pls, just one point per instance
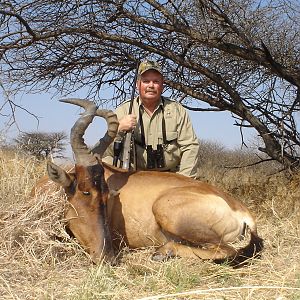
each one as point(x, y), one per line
point(178, 215)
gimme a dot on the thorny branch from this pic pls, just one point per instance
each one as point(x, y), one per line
point(239, 56)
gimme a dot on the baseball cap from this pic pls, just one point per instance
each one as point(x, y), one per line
point(148, 65)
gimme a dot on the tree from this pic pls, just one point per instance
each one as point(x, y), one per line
point(239, 56)
point(41, 144)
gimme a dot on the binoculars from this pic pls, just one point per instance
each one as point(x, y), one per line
point(155, 158)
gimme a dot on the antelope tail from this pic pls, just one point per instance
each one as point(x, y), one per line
point(252, 250)
point(242, 256)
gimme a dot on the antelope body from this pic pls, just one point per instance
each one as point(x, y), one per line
point(178, 215)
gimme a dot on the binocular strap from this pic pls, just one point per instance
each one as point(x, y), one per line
point(163, 126)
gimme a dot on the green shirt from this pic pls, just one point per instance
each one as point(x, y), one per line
point(181, 149)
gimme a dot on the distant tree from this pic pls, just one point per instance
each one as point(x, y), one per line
point(42, 144)
point(236, 55)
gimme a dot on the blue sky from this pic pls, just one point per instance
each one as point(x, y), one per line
point(56, 116)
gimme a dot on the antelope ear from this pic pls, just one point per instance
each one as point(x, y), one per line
point(114, 193)
point(59, 175)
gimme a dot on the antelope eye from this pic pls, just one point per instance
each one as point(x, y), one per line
point(86, 193)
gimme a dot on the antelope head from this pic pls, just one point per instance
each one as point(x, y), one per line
point(86, 188)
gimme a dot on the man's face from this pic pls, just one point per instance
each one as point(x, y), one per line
point(150, 86)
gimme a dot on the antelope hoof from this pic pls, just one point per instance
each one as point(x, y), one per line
point(160, 256)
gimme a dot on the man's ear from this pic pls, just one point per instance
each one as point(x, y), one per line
point(59, 175)
point(138, 82)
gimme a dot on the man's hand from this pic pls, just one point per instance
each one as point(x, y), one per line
point(127, 123)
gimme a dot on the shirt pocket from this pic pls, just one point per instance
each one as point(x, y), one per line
point(171, 136)
point(172, 151)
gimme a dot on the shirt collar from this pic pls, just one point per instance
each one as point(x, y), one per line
point(160, 104)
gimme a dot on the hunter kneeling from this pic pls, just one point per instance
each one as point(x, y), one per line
point(155, 133)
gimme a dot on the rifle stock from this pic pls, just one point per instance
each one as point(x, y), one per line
point(126, 151)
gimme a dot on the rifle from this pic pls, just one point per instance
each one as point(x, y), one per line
point(123, 149)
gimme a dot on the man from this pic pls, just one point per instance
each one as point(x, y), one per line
point(163, 133)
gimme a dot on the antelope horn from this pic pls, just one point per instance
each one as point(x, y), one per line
point(112, 129)
point(82, 154)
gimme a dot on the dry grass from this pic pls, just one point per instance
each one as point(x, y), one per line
point(38, 260)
